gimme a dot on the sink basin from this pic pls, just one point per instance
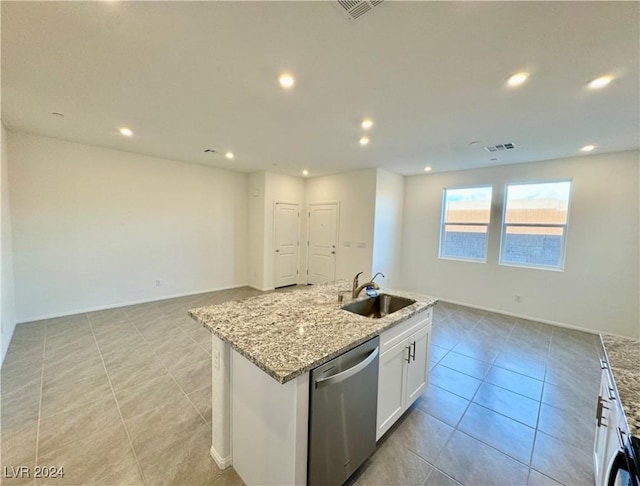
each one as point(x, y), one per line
point(379, 306)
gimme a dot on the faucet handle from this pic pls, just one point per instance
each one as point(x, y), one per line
point(355, 279)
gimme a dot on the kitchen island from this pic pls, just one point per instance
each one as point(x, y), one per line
point(263, 350)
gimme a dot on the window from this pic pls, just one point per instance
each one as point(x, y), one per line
point(465, 223)
point(534, 225)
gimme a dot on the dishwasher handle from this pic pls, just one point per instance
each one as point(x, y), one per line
point(343, 375)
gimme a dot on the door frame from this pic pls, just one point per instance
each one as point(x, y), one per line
point(273, 239)
point(308, 235)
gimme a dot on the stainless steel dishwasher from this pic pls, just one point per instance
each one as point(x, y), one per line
point(342, 414)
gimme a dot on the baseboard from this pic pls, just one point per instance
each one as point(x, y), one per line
point(124, 304)
point(529, 318)
point(223, 463)
point(266, 289)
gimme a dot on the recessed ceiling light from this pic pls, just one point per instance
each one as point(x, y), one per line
point(588, 148)
point(367, 123)
point(364, 140)
point(427, 168)
point(229, 155)
point(126, 132)
point(517, 79)
point(600, 82)
point(286, 80)
point(305, 172)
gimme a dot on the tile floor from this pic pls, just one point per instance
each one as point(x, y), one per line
point(123, 397)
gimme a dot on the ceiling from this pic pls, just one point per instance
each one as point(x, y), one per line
point(187, 76)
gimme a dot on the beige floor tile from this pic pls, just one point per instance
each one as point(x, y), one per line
point(128, 354)
point(18, 449)
point(562, 462)
point(82, 431)
point(184, 461)
point(469, 461)
point(438, 478)
point(539, 479)
point(195, 377)
point(393, 464)
point(228, 477)
point(202, 400)
point(87, 420)
point(58, 373)
point(137, 374)
point(90, 460)
point(20, 408)
point(79, 351)
point(422, 434)
point(159, 427)
point(140, 399)
point(184, 357)
point(59, 398)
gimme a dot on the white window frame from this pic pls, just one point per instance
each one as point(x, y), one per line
point(503, 232)
point(443, 224)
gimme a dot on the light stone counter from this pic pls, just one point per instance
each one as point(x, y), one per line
point(287, 334)
point(624, 359)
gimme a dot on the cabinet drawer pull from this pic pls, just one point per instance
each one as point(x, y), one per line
point(599, 413)
point(612, 393)
point(603, 364)
point(620, 434)
point(414, 350)
point(408, 354)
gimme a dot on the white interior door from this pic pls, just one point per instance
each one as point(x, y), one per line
point(323, 236)
point(286, 227)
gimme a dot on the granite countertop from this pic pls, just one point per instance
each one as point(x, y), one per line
point(624, 360)
point(287, 334)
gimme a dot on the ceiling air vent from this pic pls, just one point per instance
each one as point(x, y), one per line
point(357, 8)
point(500, 147)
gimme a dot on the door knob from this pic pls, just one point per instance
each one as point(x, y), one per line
point(277, 251)
point(333, 252)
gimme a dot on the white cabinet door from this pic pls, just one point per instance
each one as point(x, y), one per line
point(602, 420)
point(391, 386)
point(323, 238)
point(285, 234)
point(610, 420)
point(418, 368)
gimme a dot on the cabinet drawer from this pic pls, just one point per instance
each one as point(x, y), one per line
point(396, 334)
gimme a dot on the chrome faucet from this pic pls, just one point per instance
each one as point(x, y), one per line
point(357, 289)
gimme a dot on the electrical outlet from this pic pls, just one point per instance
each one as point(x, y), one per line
point(158, 283)
point(216, 359)
point(518, 299)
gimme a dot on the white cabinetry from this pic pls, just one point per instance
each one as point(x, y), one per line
point(404, 368)
point(610, 422)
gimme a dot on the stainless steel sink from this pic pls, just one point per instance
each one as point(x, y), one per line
point(379, 306)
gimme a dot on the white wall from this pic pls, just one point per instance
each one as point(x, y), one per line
point(356, 192)
point(257, 186)
point(387, 237)
point(94, 227)
point(599, 287)
point(7, 302)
